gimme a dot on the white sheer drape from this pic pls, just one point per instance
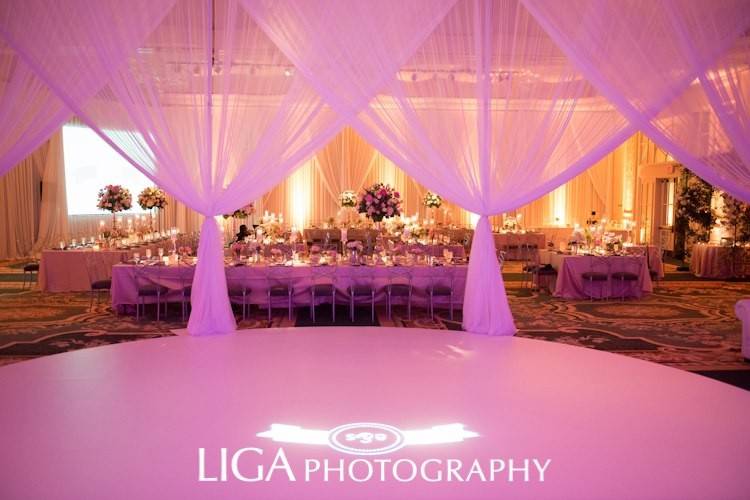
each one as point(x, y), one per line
point(481, 113)
point(205, 106)
point(53, 206)
point(677, 70)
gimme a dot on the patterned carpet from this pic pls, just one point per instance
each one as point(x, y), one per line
point(684, 324)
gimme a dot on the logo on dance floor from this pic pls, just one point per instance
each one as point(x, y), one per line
point(368, 438)
point(368, 442)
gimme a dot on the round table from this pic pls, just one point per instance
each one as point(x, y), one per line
point(149, 419)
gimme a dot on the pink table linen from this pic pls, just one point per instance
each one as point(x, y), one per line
point(654, 257)
point(503, 240)
point(713, 261)
point(124, 291)
point(570, 283)
point(66, 270)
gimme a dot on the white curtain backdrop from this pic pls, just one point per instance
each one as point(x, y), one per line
point(480, 113)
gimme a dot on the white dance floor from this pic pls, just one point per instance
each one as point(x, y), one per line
point(434, 414)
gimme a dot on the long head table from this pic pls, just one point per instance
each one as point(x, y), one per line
point(69, 270)
point(571, 284)
point(125, 292)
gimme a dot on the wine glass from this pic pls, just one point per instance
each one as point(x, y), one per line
point(160, 252)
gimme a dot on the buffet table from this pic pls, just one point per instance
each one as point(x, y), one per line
point(715, 261)
point(570, 268)
point(124, 289)
point(68, 270)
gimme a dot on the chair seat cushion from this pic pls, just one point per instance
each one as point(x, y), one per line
point(440, 290)
point(399, 289)
point(323, 289)
point(593, 276)
point(101, 285)
point(235, 290)
point(279, 290)
point(547, 271)
point(152, 290)
point(361, 290)
point(626, 276)
point(31, 267)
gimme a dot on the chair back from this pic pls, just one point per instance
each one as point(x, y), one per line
point(98, 266)
point(147, 275)
point(279, 275)
point(237, 280)
point(443, 276)
point(632, 264)
point(400, 275)
point(323, 275)
point(598, 264)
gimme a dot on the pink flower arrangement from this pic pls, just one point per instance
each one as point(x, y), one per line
point(114, 198)
point(380, 201)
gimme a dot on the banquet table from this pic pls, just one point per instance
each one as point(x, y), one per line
point(570, 283)
point(505, 240)
point(716, 261)
point(68, 270)
point(561, 235)
point(124, 288)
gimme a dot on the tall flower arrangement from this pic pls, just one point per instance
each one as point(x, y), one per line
point(379, 201)
point(152, 197)
point(432, 200)
point(114, 198)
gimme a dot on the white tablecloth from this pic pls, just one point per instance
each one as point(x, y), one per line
point(124, 289)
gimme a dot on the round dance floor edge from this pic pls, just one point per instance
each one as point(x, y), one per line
point(131, 419)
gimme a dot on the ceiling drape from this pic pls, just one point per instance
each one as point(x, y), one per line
point(678, 70)
point(480, 112)
point(203, 104)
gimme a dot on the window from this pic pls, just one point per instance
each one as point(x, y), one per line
point(91, 164)
point(667, 196)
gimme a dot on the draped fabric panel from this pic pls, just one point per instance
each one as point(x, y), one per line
point(29, 111)
point(344, 163)
point(678, 71)
point(483, 112)
point(53, 206)
point(205, 106)
point(19, 203)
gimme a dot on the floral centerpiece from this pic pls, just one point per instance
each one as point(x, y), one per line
point(432, 200)
point(348, 199)
point(380, 201)
point(114, 198)
point(152, 197)
point(241, 213)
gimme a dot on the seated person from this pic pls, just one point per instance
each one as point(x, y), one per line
point(242, 234)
